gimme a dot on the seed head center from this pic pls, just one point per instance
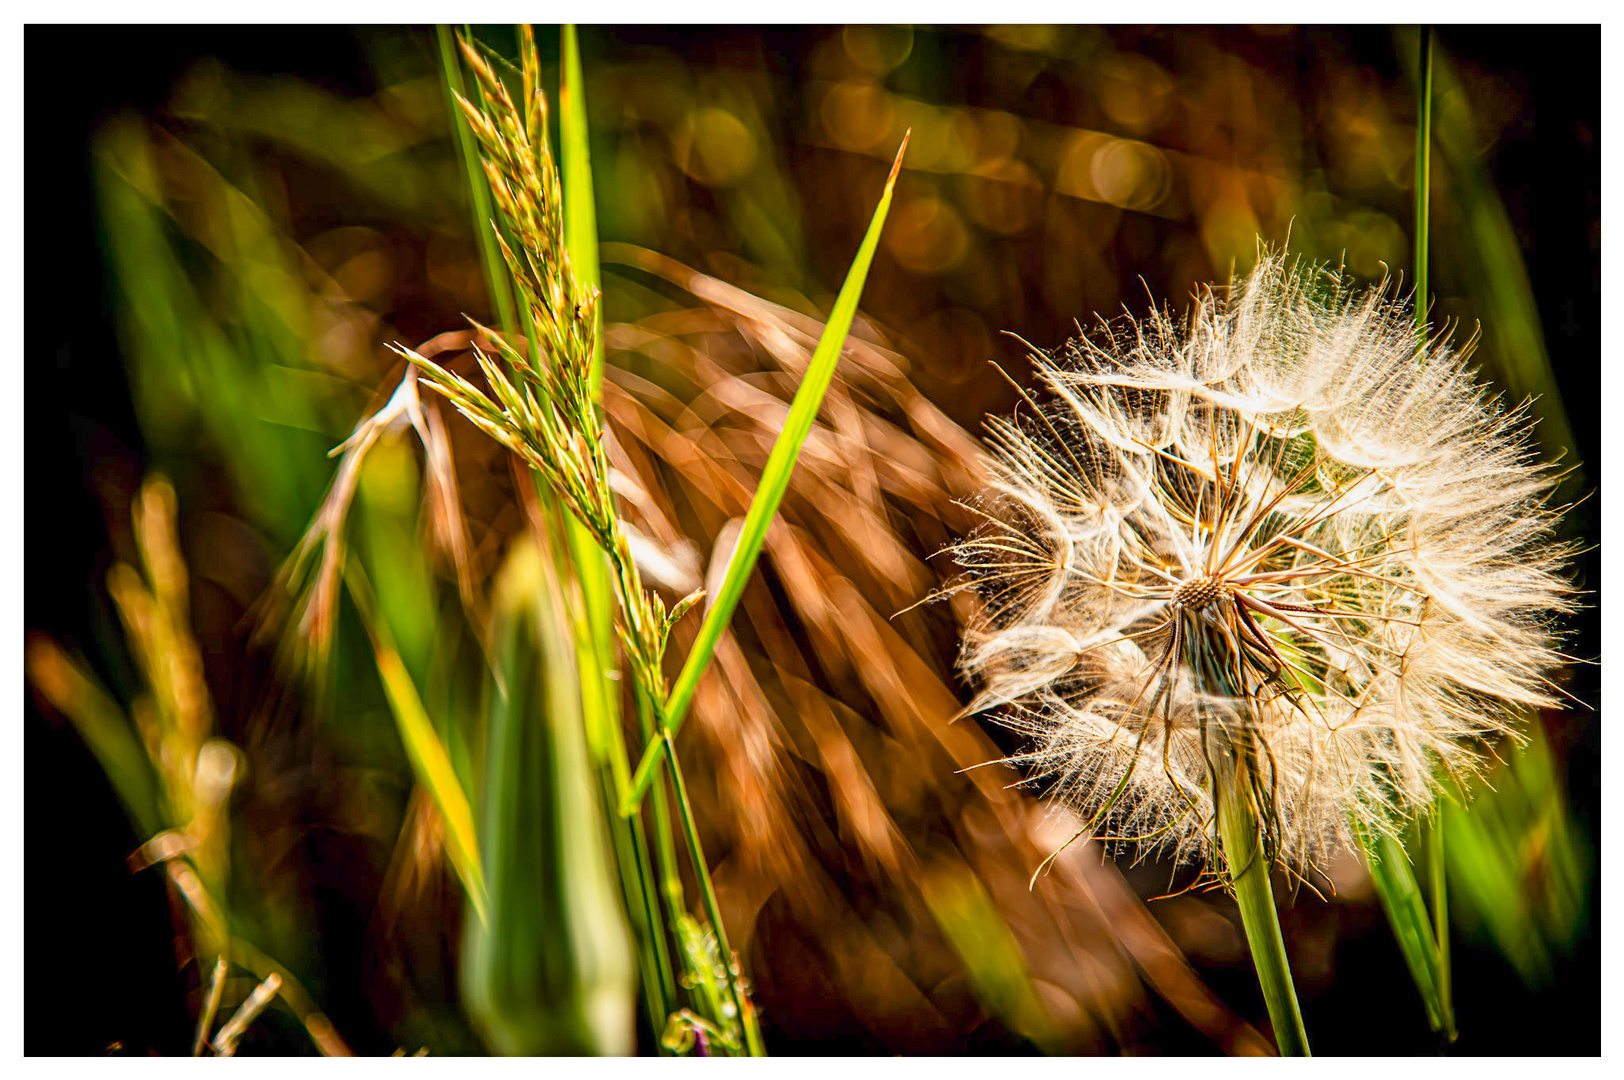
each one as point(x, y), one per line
point(1198, 593)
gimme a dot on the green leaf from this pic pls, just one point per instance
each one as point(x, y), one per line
point(774, 479)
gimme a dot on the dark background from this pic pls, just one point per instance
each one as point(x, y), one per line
point(99, 968)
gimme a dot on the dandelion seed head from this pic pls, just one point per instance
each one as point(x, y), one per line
point(1287, 542)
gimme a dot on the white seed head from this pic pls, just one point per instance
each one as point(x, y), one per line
point(1289, 544)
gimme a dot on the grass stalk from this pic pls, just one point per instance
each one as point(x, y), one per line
point(1432, 830)
point(690, 832)
point(211, 1007)
point(1423, 938)
point(591, 564)
point(1241, 835)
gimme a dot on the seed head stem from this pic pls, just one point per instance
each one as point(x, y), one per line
point(1240, 833)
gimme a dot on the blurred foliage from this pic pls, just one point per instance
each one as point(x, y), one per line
point(1520, 868)
point(268, 236)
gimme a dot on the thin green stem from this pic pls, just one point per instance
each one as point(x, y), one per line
point(1423, 177)
point(666, 847)
point(1249, 875)
point(690, 831)
point(1434, 831)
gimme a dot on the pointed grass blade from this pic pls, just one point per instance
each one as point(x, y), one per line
point(1406, 908)
point(575, 171)
point(775, 477)
point(496, 274)
point(599, 685)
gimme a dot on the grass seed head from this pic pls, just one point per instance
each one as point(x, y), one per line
point(1289, 543)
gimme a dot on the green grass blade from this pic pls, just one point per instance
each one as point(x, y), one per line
point(581, 241)
point(496, 275)
point(1401, 898)
point(428, 756)
point(575, 171)
point(1491, 266)
point(775, 477)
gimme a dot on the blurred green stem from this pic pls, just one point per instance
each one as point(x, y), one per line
point(1249, 875)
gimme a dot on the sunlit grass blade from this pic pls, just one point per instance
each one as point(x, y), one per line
point(774, 479)
point(225, 1040)
point(428, 756)
point(581, 242)
point(575, 171)
point(211, 1006)
point(600, 684)
point(1401, 899)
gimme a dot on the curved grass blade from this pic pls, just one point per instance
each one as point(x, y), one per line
point(774, 481)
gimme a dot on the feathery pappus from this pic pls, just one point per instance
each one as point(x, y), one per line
point(1290, 547)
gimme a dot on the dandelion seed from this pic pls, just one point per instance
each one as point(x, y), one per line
point(1288, 549)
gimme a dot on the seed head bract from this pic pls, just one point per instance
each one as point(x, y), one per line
point(1288, 542)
